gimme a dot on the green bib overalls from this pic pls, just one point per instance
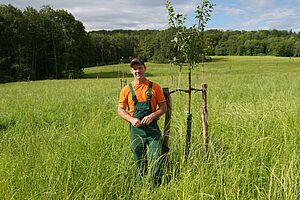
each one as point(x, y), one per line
point(145, 135)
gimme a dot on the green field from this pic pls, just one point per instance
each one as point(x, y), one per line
point(62, 139)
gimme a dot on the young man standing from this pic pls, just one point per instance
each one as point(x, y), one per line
point(145, 103)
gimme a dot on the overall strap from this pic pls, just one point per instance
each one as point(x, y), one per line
point(149, 95)
point(132, 93)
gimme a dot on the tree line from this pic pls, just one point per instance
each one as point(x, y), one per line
point(40, 44)
point(52, 44)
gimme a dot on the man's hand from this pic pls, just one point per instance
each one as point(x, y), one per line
point(147, 119)
point(125, 115)
point(136, 122)
point(162, 108)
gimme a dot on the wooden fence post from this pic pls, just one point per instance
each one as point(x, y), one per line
point(204, 117)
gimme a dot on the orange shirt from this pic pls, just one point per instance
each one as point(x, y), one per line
point(141, 91)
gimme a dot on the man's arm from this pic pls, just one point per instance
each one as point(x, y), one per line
point(162, 108)
point(125, 115)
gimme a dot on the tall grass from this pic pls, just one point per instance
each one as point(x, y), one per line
point(62, 139)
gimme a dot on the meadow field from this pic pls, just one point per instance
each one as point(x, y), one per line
point(62, 139)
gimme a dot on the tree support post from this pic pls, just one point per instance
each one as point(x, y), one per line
point(123, 82)
point(189, 118)
point(204, 117)
point(165, 142)
point(188, 136)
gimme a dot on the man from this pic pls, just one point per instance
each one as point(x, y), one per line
point(145, 103)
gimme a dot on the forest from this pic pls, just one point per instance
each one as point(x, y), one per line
point(52, 44)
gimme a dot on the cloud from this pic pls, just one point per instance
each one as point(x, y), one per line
point(123, 19)
point(146, 14)
point(111, 14)
point(257, 4)
point(231, 11)
point(117, 14)
point(258, 14)
point(121, 16)
point(282, 18)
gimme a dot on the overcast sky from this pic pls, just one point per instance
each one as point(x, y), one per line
point(151, 14)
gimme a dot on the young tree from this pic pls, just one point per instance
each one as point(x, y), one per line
point(190, 51)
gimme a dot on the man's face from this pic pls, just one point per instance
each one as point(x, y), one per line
point(138, 71)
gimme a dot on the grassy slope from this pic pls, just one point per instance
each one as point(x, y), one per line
point(62, 139)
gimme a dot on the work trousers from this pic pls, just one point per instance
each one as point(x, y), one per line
point(141, 137)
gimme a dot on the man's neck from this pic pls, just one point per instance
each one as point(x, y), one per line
point(139, 81)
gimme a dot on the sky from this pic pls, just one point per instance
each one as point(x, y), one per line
point(152, 14)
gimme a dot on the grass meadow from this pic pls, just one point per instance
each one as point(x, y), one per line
point(62, 139)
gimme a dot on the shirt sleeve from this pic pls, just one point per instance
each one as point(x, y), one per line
point(123, 99)
point(159, 94)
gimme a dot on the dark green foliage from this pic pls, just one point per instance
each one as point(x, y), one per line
point(262, 42)
point(111, 47)
point(120, 46)
point(40, 44)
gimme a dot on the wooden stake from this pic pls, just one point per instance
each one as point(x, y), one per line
point(190, 90)
point(123, 82)
point(202, 64)
point(204, 117)
point(189, 118)
point(165, 143)
point(188, 136)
